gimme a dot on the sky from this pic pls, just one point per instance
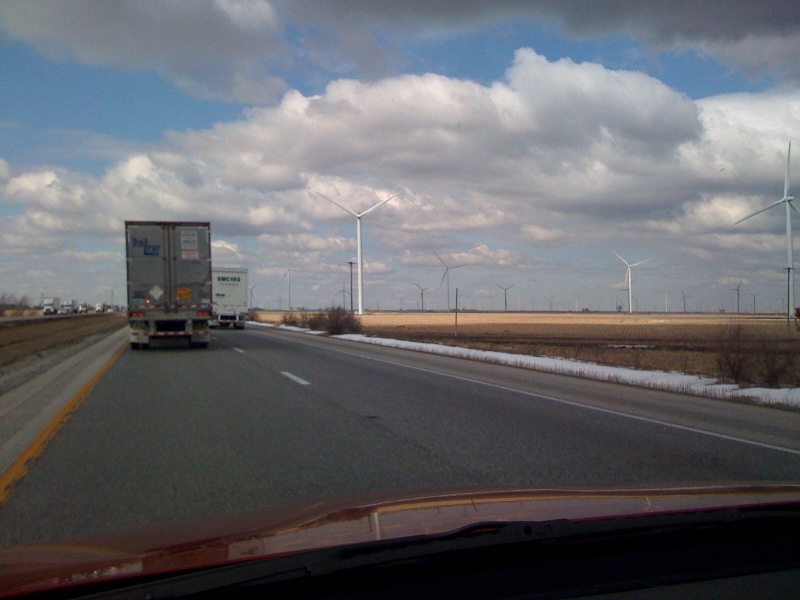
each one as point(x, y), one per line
point(527, 141)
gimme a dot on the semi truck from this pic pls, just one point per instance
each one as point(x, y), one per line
point(50, 306)
point(229, 287)
point(68, 307)
point(169, 281)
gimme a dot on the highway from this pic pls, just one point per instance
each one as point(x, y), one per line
point(266, 416)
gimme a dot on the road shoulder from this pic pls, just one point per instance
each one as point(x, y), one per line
point(26, 410)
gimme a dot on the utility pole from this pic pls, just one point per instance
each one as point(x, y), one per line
point(351, 263)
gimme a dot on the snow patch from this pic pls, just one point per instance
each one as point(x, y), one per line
point(661, 380)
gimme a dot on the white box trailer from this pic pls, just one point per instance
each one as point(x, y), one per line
point(50, 306)
point(229, 288)
point(169, 281)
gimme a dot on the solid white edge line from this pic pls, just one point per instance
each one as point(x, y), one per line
point(295, 378)
point(608, 411)
point(603, 410)
point(599, 409)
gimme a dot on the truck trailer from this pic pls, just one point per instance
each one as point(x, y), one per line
point(169, 281)
point(229, 287)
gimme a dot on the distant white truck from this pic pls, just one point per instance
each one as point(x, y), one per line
point(229, 293)
point(50, 306)
point(68, 307)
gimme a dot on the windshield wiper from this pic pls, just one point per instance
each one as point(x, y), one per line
point(553, 557)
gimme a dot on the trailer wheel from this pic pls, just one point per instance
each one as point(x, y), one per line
point(134, 345)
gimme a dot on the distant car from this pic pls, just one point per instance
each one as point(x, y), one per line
point(65, 310)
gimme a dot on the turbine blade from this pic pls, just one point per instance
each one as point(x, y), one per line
point(792, 206)
point(337, 204)
point(369, 210)
point(440, 259)
point(622, 259)
point(641, 262)
point(441, 283)
point(758, 212)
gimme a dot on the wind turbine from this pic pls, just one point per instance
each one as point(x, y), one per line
point(629, 278)
point(505, 294)
point(446, 275)
point(683, 299)
point(343, 292)
point(288, 277)
point(787, 200)
point(422, 295)
point(358, 242)
point(736, 289)
point(251, 294)
point(754, 300)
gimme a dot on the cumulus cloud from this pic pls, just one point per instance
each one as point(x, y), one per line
point(756, 36)
point(212, 48)
point(551, 138)
point(5, 171)
point(242, 50)
point(554, 152)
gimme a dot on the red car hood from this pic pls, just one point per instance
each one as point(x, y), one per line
point(356, 519)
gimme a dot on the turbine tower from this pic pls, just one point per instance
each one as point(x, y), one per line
point(787, 200)
point(422, 295)
point(446, 275)
point(358, 243)
point(629, 278)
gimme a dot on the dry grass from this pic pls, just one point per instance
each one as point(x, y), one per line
point(685, 343)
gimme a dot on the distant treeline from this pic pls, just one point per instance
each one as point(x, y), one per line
point(11, 301)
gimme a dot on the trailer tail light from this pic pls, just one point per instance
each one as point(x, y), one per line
point(137, 315)
point(203, 313)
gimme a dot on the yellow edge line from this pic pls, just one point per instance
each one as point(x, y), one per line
point(25, 461)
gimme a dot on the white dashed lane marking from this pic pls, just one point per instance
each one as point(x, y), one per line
point(295, 378)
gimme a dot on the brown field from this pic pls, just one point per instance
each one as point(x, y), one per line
point(28, 348)
point(687, 343)
point(23, 339)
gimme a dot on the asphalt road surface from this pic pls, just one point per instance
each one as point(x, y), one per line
point(264, 417)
